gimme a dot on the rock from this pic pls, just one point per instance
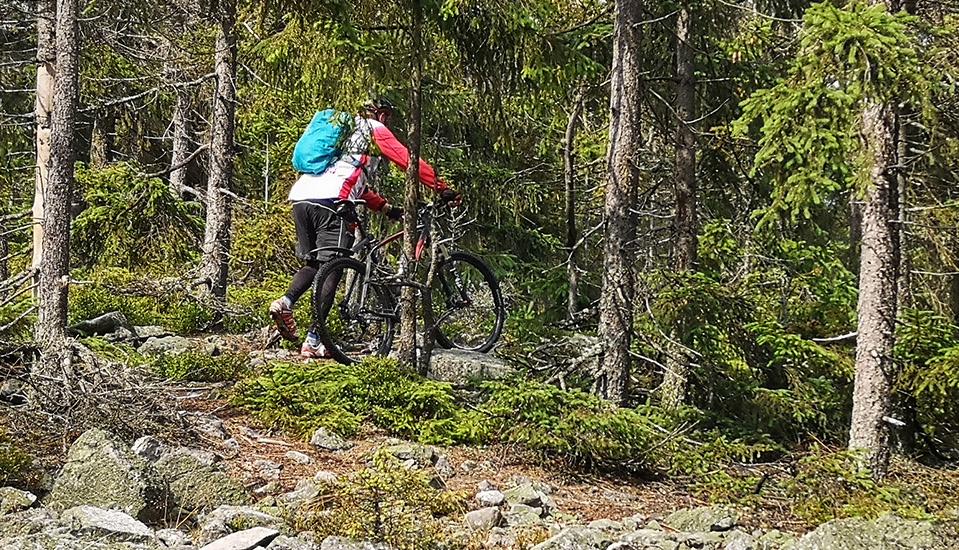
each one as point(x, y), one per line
point(173, 538)
point(524, 494)
point(483, 519)
point(490, 498)
point(173, 345)
point(709, 541)
point(308, 489)
point(461, 367)
point(121, 335)
point(289, 543)
point(523, 516)
point(34, 520)
point(298, 457)
point(145, 332)
point(443, 467)
point(485, 485)
point(267, 469)
point(645, 538)
point(340, 543)
point(104, 324)
point(887, 531)
point(105, 524)
point(148, 448)
point(102, 472)
point(575, 538)
point(229, 519)
point(774, 540)
point(244, 540)
point(705, 518)
point(606, 525)
point(634, 522)
point(209, 425)
point(15, 500)
point(739, 540)
point(195, 483)
point(322, 439)
point(422, 456)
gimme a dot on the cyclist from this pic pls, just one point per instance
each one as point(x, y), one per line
point(317, 225)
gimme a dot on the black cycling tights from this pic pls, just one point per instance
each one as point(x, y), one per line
point(303, 280)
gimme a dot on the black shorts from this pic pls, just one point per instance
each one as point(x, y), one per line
point(319, 227)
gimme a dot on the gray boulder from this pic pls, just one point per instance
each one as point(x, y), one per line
point(229, 519)
point(705, 518)
point(173, 345)
point(172, 538)
point(575, 538)
point(27, 522)
point(490, 498)
point(107, 323)
point(102, 472)
point(328, 441)
point(525, 494)
point(290, 543)
point(195, 483)
point(105, 524)
point(888, 532)
point(298, 457)
point(244, 540)
point(148, 448)
point(483, 519)
point(15, 500)
point(459, 367)
point(646, 538)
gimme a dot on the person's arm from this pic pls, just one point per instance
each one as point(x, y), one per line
point(374, 201)
point(396, 152)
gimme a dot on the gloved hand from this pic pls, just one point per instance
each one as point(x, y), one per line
point(451, 197)
point(394, 213)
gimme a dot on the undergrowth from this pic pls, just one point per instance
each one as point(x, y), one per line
point(191, 365)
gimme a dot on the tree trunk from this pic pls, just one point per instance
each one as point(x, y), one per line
point(101, 140)
point(625, 143)
point(216, 240)
point(569, 173)
point(676, 378)
point(878, 276)
point(855, 232)
point(46, 71)
point(55, 267)
point(182, 141)
point(407, 344)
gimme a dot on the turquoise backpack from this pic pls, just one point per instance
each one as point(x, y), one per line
point(322, 141)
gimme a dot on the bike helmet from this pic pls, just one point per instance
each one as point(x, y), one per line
point(379, 105)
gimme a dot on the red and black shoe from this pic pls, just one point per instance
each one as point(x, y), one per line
point(283, 317)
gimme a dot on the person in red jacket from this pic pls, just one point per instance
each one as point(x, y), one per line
point(313, 197)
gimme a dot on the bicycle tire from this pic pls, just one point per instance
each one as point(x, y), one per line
point(384, 313)
point(445, 337)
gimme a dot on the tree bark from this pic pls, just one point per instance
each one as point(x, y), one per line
point(182, 141)
point(407, 344)
point(216, 240)
point(55, 266)
point(625, 143)
point(46, 71)
point(676, 378)
point(878, 276)
point(569, 176)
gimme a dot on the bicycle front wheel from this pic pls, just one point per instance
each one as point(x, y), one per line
point(468, 306)
point(354, 316)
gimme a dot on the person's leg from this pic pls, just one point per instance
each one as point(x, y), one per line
point(327, 236)
point(281, 310)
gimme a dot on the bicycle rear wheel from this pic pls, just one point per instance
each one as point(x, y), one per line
point(468, 306)
point(354, 317)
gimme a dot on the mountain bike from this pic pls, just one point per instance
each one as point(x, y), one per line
point(356, 295)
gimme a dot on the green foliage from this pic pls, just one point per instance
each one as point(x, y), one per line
point(15, 465)
point(262, 242)
point(848, 57)
point(302, 398)
point(388, 503)
point(115, 289)
point(18, 319)
point(200, 366)
point(132, 221)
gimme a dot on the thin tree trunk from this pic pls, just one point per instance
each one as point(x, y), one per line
point(46, 71)
point(407, 345)
point(625, 143)
point(676, 378)
point(4, 261)
point(101, 140)
point(569, 173)
point(216, 241)
point(855, 232)
point(182, 141)
point(55, 267)
point(878, 276)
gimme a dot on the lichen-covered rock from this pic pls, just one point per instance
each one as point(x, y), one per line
point(66, 541)
point(774, 540)
point(248, 539)
point(172, 538)
point(704, 518)
point(740, 540)
point(173, 345)
point(490, 498)
point(524, 494)
point(646, 538)
point(283, 542)
point(576, 538)
point(15, 500)
point(461, 367)
point(483, 519)
point(298, 457)
point(229, 519)
point(27, 522)
point(423, 456)
point(195, 483)
point(101, 471)
point(103, 524)
point(328, 441)
point(886, 532)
